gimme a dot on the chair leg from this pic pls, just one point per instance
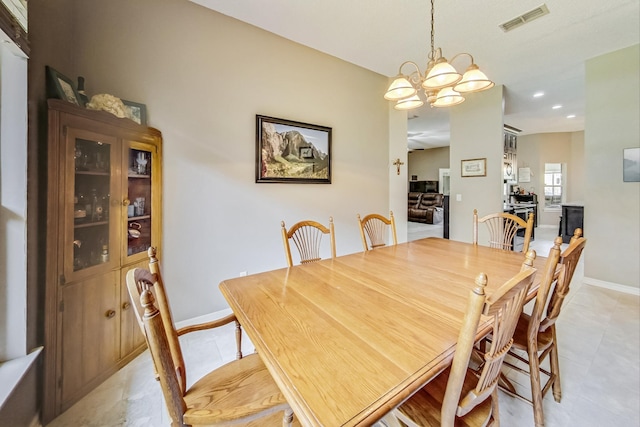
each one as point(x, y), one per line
point(495, 408)
point(555, 366)
point(536, 390)
point(238, 341)
point(287, 420)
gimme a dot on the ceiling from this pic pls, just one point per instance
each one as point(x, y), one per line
point(546, 54)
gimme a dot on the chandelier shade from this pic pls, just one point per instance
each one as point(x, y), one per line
point(441, 75)
point(409, 103)
point(448, 97)
point(443, 85)
point(400, 88)
point(473, 80)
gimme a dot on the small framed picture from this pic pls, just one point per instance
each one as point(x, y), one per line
point(631, 165)
point(306, 152)
point(474, 167)
point(292, 152)
point(136, 112)
point(61, 87)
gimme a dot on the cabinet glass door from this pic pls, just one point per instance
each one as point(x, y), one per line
point(140, 199)
point(90, 184)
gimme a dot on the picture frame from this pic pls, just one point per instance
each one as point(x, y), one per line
point(473, 167)
point(62, 87)
point(288, 151)
point(136, 112)
point(631, 164)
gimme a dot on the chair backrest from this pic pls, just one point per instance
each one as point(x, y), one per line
point(503, 228)
point(568, 262)
point(159, 347)
point(374, 226)
point(140, 280)
point(307, 236)
point(504, 305)
point(548, 279)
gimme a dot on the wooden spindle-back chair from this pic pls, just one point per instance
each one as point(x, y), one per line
point(460, 396)
point(307, 237)
point(503, 228)
point(374, 226)
point(239, 392)
point(156, 286)
point(536, 333)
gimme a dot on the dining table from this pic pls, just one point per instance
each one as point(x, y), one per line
point(348, 339)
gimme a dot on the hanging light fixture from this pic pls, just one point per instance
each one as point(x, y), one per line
point(443, 85)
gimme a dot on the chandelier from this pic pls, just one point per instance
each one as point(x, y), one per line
point(443, 85)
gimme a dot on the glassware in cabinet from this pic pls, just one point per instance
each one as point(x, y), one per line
point(140, 198)
point(92, 182)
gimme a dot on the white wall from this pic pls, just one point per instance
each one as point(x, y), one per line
point(13, 200)
point(537, 149)
point(612, 207)
point(476, 132)
point(426, 164)
point(398, 185)
point(576, 174)
point(204, 77)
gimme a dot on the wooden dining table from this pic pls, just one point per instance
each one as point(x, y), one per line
point(348, 339)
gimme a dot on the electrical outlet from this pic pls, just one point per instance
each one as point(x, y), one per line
point(458, 197)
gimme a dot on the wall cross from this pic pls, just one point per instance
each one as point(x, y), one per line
point(397, 164)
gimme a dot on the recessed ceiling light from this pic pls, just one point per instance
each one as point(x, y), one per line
point(538, 94)
point(571, 116)
point(555, 107)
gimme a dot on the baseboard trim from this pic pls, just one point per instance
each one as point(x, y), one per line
point(610, 285)
point(204, 318)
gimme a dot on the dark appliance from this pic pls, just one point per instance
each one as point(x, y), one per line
point(572, 218)
point(423, 186)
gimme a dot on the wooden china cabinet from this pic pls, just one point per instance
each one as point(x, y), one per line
point(103, 213)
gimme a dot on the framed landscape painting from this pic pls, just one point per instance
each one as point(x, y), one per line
point(292, 152)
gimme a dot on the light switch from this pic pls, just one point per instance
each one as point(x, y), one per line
point(458, 197)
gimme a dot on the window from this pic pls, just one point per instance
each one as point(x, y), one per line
point(13, 200)
point(553, 185)
point(13, 214)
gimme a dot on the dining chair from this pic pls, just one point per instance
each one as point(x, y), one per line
point(535, 336)
point(307, 236)
point(163, 304)
point(241, 392)
point(374, 226)
point(460, 396)
point(503, 228)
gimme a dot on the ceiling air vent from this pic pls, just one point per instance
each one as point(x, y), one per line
point(511, 129)
point(525, 18)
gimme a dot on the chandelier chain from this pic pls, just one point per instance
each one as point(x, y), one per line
point(432, 54)
point(443, 85)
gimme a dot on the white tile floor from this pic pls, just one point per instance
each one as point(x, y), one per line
point(599, 336)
